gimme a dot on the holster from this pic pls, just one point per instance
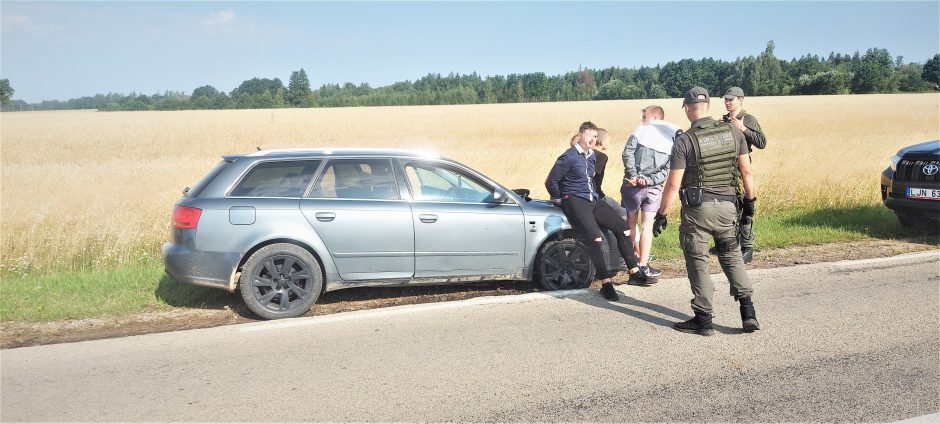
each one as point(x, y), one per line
point(691, 196)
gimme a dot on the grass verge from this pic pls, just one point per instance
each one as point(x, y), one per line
point(818, 226)
point(142, 285)
point(113, 290)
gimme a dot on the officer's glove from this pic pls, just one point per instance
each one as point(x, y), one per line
point(748, 207)
point(659, 224)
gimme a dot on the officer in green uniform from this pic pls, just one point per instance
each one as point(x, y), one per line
point(707, 161)
point(747, 123)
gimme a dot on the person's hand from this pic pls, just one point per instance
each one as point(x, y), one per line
point(737, 122)
point(642, 181)
point(659, 224)
point(557, 202)
point(748, 207)
point(631, 182)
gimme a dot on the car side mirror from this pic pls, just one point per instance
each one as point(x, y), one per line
point(523, 192)
point(499, 196)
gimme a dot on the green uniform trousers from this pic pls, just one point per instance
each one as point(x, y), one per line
point(712, 219)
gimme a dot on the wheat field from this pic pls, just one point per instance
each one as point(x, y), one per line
point(86, 188)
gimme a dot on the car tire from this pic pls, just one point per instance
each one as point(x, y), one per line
point(281, 281)
point(564, 265)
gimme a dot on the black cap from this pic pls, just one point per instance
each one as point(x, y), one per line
point(696, 95)
point(734, 92)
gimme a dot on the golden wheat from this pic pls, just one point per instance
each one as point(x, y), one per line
point(83, 188)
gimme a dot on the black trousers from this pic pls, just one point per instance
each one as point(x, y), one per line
point(589, 217)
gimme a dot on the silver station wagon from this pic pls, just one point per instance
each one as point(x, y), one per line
point(284, 226)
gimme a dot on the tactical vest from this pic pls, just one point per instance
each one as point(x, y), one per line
point(717, 154)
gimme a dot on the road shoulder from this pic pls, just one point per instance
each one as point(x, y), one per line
point(16, 334)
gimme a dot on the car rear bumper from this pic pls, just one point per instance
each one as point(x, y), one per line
point(209, 269)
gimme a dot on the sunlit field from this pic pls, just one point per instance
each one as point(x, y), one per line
point(84, 188)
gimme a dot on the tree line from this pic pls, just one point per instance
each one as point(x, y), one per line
point(875, 71)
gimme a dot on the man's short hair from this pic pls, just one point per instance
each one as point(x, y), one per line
point(655, 111)
point(588, 125)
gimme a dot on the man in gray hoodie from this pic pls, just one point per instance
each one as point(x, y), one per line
point(646, 166)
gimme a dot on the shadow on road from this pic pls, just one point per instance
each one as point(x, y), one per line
point(178, 294)
point(644, 310)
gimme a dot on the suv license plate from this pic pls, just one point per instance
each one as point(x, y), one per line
point(923, 193)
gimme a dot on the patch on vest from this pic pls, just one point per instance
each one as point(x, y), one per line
point(716, 143)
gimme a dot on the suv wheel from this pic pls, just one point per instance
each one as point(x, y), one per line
point(564, 265)
point(281, 281)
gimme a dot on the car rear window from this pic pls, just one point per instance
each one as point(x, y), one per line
point(206, 179)
point(277, 179)
point(357, 179)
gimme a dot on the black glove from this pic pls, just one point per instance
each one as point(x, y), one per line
point(659, 224)
point(748, 207)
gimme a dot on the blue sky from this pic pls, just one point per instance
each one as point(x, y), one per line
point(62, 50)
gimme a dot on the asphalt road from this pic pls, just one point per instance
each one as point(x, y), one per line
point(848, 341)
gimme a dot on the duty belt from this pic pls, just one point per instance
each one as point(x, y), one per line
point(709, 197)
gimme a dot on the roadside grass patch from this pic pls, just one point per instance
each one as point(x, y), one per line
point(810, 227)
point(93, 292)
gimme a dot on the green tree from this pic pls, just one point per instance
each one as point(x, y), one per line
point(874, 73)
point(535, 86)
point(6, 91)
point(614, 89)
point(770, 73)
point(656, 91)
point(677, 77)
point(806, 65)
point(259, 93)
point(298, 88)
point(585, 85)
point(931, 71)
point(910, 78)
point(204, 97)
point(828, 82)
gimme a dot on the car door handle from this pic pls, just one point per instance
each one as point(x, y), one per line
point(427, 218)
point(325, 216)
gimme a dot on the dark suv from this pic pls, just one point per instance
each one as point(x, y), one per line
point(911, 185)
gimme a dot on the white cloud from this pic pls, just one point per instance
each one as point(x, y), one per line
point(22, 23)
point(219, 21)
point(16, 19)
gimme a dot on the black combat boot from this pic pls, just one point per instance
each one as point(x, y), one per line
point(701, 325)
point(748, 315)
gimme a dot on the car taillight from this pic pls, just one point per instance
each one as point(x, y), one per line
point(185, 217)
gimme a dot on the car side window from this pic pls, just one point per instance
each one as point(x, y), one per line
point(357, 179)
point(433, 182)
point(277, 179)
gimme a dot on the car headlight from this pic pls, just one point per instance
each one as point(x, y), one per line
point(894, 162)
